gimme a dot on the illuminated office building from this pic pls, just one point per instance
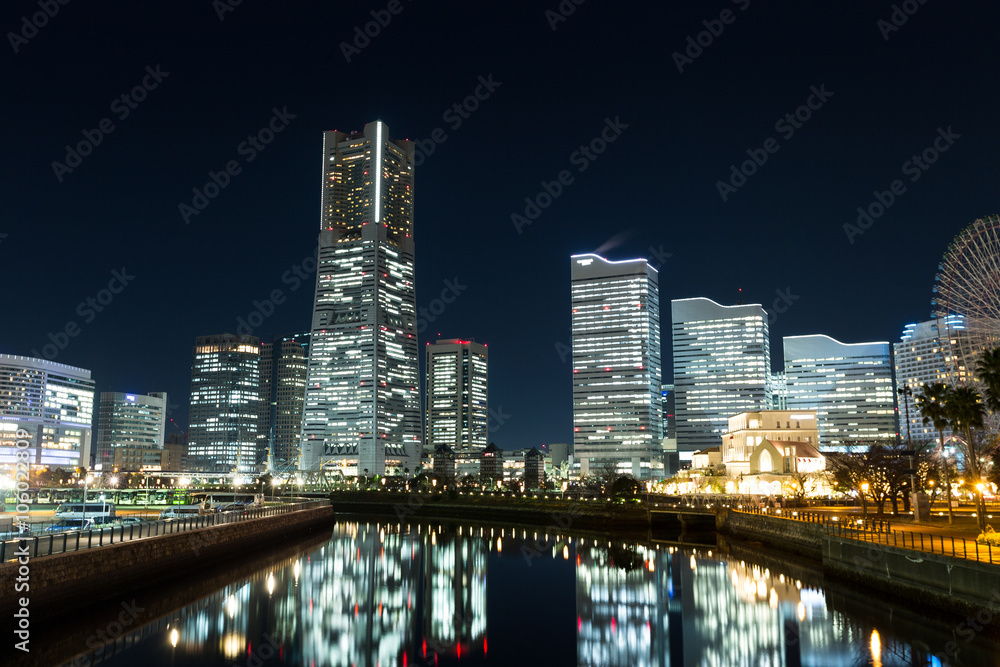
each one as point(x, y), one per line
point(52, 405)
point(225, 401)
point(132, 422)
point(617, 405)
point(920, 360)
point(722, 367)
point(283, 364)
point(457, 410)
point(849, 385)
point(362, 402)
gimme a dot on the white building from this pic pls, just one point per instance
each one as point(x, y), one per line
point(849, 385)
point(919, 360)
point(133, 421)
point(722, 366)
point(362, 404)
point(53, 404)
point(456, 397)
point(617, 405)
point(779, 442)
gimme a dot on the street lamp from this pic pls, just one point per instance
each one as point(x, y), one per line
point(864, 501)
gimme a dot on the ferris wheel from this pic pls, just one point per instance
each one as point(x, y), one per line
point(966, 298)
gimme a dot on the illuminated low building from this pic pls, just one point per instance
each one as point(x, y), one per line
point(53, 404)
point(766, 447)
point(491, 465)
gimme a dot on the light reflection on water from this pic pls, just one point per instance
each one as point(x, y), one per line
point(384, 594)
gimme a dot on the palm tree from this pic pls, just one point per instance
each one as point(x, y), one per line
point(965, 413)
point(931, 402)
point(988, 370)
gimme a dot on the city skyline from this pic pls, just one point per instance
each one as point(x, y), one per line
point(228, 198)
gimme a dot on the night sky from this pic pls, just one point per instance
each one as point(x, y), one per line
point(217, 74)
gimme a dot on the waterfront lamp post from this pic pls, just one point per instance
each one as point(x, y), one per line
point(864, 501)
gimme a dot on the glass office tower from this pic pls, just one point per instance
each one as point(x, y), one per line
point(722, 367)
point(362, 401)
point(617, 405)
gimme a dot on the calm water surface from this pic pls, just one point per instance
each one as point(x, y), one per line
point(382, 595)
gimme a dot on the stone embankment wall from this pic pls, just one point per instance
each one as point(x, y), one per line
point(955, 584)
point(62, 582)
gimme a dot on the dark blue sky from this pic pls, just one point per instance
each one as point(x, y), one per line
point(653, 190)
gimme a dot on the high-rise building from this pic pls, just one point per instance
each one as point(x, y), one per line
point(617, 405)
point(849, 385)
point(456, 398)
point(362, 405)
point(779, 391)
point(48, 404)
point(225, 401)
point(920, 360)
point(132, 421)
point(283, 364)
point(722, 367)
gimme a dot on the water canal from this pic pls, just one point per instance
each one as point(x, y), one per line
point(381, 595)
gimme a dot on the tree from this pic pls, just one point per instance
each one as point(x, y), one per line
point(931, 402)
point(988, 370)
point(468, 483)
point(966, 414)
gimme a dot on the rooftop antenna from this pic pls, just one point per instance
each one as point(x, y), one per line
point(739, 301)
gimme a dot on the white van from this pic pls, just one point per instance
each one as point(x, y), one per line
point(182, 511)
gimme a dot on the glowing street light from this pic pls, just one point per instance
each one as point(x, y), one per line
point(864, 500)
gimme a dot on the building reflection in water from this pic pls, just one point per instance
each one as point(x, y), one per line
point(384, 595)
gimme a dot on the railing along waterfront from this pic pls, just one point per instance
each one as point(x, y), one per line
point(880, 531)
point(56, 543)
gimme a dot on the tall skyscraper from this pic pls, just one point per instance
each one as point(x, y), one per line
point(283, 364)
point(53, 403)
point(457, 409)
point(133, 421)
point(722, 367)
point(362, 405)
point(617, 405)
point(849, 385)
point(920, 360)
point(225, 401)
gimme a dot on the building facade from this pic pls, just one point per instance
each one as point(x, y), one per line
point(722, 367)
point(617, 404)
point(134, 421)
point(919, 360)
point(225, 401)
point(283, 364)
point(52, 407)
point(362, 401)
point(457, 409)
point(849, 385)
point(772, 441)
